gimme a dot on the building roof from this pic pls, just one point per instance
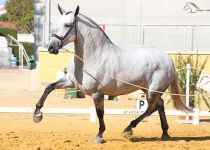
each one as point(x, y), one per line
point(2, 10)
point(7, 24)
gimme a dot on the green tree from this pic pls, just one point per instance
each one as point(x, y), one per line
point(21, 12)
point(4, 17)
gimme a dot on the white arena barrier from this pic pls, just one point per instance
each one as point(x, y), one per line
point(195, 115)
point(93, 117)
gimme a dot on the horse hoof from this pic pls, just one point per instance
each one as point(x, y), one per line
point(127, 133)
point(37, 117)
point(165, 137)
point(98, 140)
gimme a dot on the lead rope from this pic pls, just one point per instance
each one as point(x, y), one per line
point(128, 83)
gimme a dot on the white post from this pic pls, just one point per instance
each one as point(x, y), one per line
point(143, 36)
point(174, 40)
point(185, 38)
point(20, 58)
point(187, 87)
point(196, 115)
point(93, 114)
point(192, 39)
point(140, 21)
point(20, 63)
point(47, 22)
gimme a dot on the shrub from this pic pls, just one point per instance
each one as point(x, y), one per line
point(29, 47)
point(10, 31)
point(197, 64)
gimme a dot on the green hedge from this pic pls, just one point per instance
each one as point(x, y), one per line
point(29, 47)
point(10, 31)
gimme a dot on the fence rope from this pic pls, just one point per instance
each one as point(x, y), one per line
point(128, 83)
point(38, 94)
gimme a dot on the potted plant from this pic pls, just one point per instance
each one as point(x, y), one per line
point(197, 63)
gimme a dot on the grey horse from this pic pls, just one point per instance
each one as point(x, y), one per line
point(102, 68)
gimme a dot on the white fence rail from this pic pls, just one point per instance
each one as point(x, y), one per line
point(22, 52)
point(93, 117)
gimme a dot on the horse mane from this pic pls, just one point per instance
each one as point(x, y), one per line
point(96, 24)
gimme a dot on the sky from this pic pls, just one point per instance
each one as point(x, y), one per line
point(2, 1)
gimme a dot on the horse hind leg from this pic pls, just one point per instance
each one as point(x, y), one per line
point(159, 106)
point(152, 99)
point(163, 120)
point(62, 83)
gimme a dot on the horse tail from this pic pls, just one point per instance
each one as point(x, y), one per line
point(176, 97)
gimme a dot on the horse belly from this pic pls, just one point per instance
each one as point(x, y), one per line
point(130, 80)
point(121, 89)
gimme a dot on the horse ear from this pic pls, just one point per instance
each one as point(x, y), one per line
point(61, 10)
point(77, 11)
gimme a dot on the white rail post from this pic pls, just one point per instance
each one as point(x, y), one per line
point(185, 38)
point(22, 58)
point(187, 87)
point(19, 58)
point(92, 114)
point(47, 22)
point(196, 115)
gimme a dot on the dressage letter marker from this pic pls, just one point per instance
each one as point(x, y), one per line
point(141, 105)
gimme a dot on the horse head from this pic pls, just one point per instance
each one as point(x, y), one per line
point(65, 31)
point(191, 7)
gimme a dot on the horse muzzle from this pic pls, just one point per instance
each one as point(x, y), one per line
point(53, 48)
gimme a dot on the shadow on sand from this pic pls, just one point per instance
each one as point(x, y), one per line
point(187, 139)
point(204, 120)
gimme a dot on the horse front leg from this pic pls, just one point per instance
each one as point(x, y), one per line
point(99, 105)
point(62, 83)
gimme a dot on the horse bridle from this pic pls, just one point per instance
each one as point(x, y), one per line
point(69, 30)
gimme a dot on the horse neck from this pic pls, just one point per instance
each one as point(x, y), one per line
point(90, 40)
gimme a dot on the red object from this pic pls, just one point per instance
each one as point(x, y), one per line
point(103, 27)
point(7, 24)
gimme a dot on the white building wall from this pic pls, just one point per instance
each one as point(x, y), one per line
point(121, 17)
point(25, 38)
point(172, 28)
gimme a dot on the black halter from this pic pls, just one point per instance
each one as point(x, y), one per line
point(69, 30)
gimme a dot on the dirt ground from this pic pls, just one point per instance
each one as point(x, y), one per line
point(58, 132)
point(64, 131)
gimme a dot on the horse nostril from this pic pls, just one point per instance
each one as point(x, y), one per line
point(51, 48)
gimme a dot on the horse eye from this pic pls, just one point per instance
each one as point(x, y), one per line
point(67, 25)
